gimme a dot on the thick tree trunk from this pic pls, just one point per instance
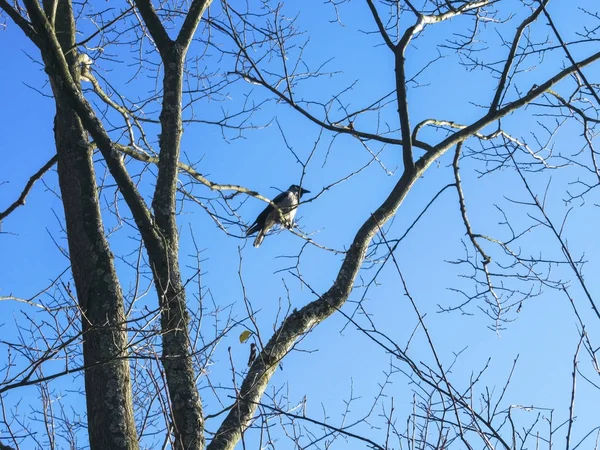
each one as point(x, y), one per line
point(107, 377)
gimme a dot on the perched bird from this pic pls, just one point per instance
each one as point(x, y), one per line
point(287, 205)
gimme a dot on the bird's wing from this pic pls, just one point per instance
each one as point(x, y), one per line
point(260, 220)
point(285, 199)
point(280, 197)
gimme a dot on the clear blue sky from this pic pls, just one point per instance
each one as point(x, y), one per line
point(543, 335)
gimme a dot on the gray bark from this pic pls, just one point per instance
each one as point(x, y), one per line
point(159, 233)
point(179, 371)
point(177, 361)
point(107, 376)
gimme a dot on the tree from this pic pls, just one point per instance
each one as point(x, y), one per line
point(155, 70)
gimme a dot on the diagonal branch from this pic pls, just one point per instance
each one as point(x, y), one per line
point(511, 55)
point(144, 157)
point(493, 116)
point(567, 52)
point(155, 27)
point(192, 19)
point(303, 320)
point(36, 176)
point(21, 22)
point(381, 26)
point(328, 126)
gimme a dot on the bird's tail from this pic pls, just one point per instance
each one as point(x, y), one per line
point(259, 238)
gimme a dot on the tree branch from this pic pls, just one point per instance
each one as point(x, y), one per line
point(20, 21)
point(194, 174)
point(568, 53)
point(50, 8)
point(493, 116)
point(59, 69)
point(155, 27)
point(36, 176)
point(303, 320)
point(465, 7)
point(329, 126)
point(511, 56)
point(380, 26)
point(192, 19)
point(407, 152)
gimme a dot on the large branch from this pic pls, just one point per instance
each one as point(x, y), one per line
point(99, 293)
point(302, 321)
point(159, 234)
point(192, 19)
point(20, 21)
point(306, 318)
point(155, 26)
point(186, 406)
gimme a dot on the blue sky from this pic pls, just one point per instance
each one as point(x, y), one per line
point(543, 335)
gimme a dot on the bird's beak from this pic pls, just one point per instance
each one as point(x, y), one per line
point(304, 191)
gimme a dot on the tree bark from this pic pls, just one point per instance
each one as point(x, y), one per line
point(176, 349)
point(107, 376)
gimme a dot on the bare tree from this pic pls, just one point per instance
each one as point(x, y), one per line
point(146, 363)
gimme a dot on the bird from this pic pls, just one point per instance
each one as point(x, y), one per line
point(287, 204)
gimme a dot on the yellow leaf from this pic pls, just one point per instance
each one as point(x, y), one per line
point(245, 335)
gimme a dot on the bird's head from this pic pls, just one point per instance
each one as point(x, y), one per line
point(298, 190)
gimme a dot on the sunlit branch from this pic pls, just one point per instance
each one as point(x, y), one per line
point(492, 116)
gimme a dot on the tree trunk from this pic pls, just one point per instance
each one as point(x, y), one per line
point(107, 376)
point(181, 381)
